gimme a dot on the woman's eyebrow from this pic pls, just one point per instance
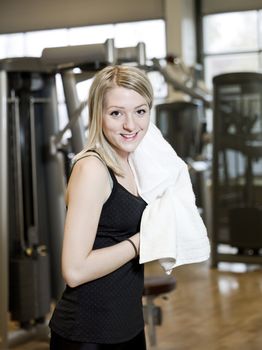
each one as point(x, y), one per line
point(116, 107)
point(144, 104)
point(120, 107)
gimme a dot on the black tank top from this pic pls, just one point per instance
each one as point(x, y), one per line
point(108, 309)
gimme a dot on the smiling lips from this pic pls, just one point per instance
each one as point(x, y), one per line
point(129, 137)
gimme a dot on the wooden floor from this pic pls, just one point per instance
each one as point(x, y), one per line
point(211, 309)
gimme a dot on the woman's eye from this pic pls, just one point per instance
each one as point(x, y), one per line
point(141, 112)
point(115, 114)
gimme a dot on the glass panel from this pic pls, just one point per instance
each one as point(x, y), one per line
point(35, 42)
point(152, 33)
point(90, 35)
point(227, 32)
point(3, 46)
point(215, 65)
point(12, 45)
point(260, 28)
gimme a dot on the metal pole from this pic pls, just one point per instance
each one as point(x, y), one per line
point(3, 213)
point(55, 187)
point(110, 51)
point(141, 53)
point(72, 104)
point(150, 308)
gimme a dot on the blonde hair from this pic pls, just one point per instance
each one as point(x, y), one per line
point(106, 79)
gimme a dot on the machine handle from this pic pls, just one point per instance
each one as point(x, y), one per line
point(32, 234)
point(18, 172)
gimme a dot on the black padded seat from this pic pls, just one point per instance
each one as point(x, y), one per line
point(156, 285)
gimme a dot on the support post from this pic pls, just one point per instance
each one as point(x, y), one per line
point(72, 104)
point(3, 213)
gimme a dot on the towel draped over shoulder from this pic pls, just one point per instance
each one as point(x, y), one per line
point(172, 230)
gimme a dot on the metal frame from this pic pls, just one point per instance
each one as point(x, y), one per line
point(8, 338)
point(3, 213)
point(153, 316)
point(72, 104)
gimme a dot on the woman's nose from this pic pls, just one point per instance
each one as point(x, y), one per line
point(129, 123)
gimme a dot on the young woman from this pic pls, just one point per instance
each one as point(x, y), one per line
point(101, 307)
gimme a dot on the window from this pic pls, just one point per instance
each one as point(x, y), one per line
point(232, 42)
point(152, 33)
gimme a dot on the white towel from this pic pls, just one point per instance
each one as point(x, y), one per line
point(172, 230)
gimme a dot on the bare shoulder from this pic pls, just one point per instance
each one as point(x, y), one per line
point(89, 174)
point(90, 163)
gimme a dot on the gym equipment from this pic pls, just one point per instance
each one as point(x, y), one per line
point(182, 124)
point(32, 203)
point(32, 158)
point(185, 82)
point(237, 167)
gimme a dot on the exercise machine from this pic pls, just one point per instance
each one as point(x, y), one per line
point(237, 168)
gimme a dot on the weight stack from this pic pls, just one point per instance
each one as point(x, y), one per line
point(30, 289)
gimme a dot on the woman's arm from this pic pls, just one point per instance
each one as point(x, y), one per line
point(88, 189)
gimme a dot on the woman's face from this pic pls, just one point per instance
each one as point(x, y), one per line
point(125, 119)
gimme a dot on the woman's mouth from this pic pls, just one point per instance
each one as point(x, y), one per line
point(129, 137)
